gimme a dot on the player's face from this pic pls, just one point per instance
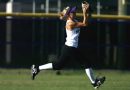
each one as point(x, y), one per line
point(73, 15)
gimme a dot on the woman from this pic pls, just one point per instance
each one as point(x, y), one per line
point(70, 49)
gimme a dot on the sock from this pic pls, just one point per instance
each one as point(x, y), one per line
point(46, 66)
point(90, 74)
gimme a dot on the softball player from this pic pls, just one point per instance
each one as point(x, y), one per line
point(70, 49)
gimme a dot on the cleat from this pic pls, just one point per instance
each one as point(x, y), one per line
point(34, 71)
point(98, 82)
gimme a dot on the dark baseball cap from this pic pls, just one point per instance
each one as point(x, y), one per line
point(71, 10)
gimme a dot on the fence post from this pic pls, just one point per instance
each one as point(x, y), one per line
point(47, 6)
point(121, 34)
point(9, 9)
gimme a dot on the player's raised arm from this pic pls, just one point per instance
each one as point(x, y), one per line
point(85, 7)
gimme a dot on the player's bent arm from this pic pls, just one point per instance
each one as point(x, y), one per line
point(84, 23)
point(81, 24)
point(71, 25)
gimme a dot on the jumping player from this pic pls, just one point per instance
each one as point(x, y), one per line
point(70, 49)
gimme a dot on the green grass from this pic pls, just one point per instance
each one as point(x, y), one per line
point(19, 79)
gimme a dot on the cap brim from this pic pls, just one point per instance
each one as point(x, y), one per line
point(73, 9)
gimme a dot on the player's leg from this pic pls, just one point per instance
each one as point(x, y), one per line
point(88, 70)
point(90, 74)
point(65, 54)
point(36, 69)
point(96, 82)
point(84, 63)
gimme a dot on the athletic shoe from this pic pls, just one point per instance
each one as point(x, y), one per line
point(34, 71)
point(98, 82)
